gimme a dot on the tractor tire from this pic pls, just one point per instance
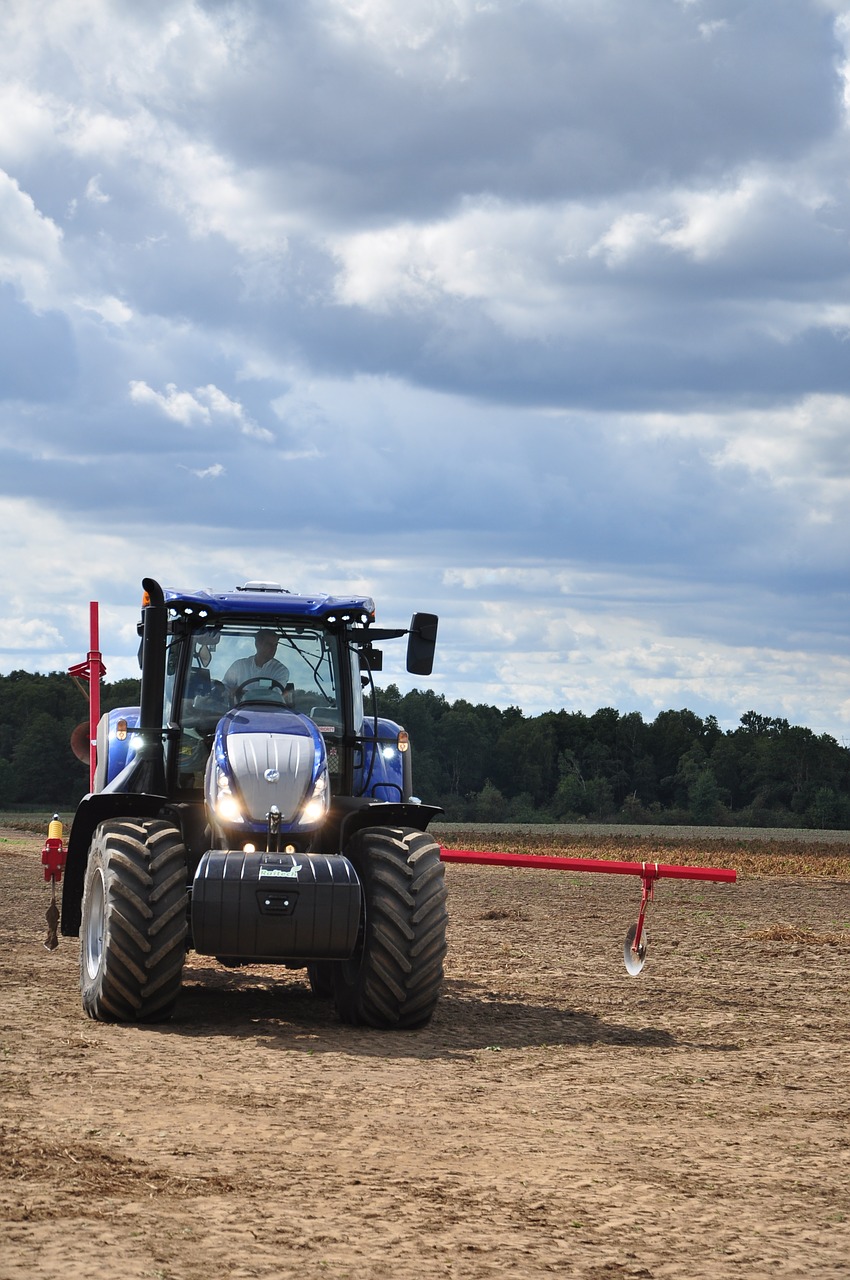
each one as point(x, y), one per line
point(394, 978)
point(134, 931)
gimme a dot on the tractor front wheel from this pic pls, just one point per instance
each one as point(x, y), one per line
point(134, 925)
point(320, 974)
point(394, 978)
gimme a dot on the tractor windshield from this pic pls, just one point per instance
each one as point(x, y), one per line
point(240, 664)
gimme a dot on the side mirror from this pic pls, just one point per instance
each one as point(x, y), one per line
point(421, 643)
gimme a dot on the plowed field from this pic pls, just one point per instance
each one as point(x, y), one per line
point(557, 1116)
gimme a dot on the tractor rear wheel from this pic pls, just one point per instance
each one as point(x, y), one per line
point(134, 925)
point(394, 978)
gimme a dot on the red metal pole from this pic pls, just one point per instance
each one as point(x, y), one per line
point(647, 870)
point(95, 671)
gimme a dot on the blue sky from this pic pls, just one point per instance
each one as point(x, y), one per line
point(530, 313)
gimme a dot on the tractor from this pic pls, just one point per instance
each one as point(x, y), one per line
point(252, 808)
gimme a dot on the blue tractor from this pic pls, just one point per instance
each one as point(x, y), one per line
point(252, 809)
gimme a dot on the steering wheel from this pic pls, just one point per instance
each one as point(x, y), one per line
point(268, 681)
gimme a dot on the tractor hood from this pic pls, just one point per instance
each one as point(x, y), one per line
point(266, 757)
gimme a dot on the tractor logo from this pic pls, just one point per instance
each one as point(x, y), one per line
point(272, 775)
point(279, 874)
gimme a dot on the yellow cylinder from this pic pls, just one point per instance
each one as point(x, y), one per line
point(54, 831)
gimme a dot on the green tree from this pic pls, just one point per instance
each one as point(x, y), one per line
point(526, 758)
point(600, 798)
point(826, 809)
point(46, 772)
point(465, 746)
point(570, 799)
point(490, 805)
point(704, 798)
point(671, 736)
point(8, 784)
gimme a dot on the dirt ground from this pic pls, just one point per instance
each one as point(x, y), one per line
point(556, 1116)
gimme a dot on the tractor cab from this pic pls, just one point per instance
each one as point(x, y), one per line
point(216, 671)
point(269, 720)
point(263, 709)
point(253, 721)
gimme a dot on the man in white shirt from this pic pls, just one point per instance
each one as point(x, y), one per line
point(263, 666)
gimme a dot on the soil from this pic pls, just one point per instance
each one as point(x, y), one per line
point(557, 1116)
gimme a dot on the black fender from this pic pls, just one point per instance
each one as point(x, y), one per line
point(91, 811)
point(356, 814)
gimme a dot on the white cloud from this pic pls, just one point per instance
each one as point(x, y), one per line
point(524, 650)
point(802, 446)
point(704, 223)
point(511, 260)
point(842, 31)
point(120, 51)
point(548, 268)
point(30, 245)
point(94, 193)
point(28, 121)
point(210, 473)
point(180, 406)
point(206, 405)
point(112, 310)
point(222, 406)
point(707, 221)
point(28, 634)
point(218, 197)
point(422, 37)
point(210, 191)
point(101, 135)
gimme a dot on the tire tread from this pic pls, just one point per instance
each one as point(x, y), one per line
point(396, 979)
point(142, 868)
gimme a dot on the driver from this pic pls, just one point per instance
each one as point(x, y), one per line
point(262, 666)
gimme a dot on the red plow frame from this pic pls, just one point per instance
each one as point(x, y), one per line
point(634, 947)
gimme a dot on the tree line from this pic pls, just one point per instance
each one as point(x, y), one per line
point(482, 763)
point(488, 764)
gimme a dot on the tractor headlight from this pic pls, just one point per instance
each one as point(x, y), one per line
point(227, 807)
point(317, 804)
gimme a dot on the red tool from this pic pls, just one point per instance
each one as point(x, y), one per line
point(634, 948)
point(53, 860)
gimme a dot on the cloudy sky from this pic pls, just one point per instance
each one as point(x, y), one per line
point(531, 313)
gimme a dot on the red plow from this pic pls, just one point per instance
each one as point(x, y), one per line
point(635, 945)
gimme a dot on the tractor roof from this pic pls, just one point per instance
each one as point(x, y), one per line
point(267, 598)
